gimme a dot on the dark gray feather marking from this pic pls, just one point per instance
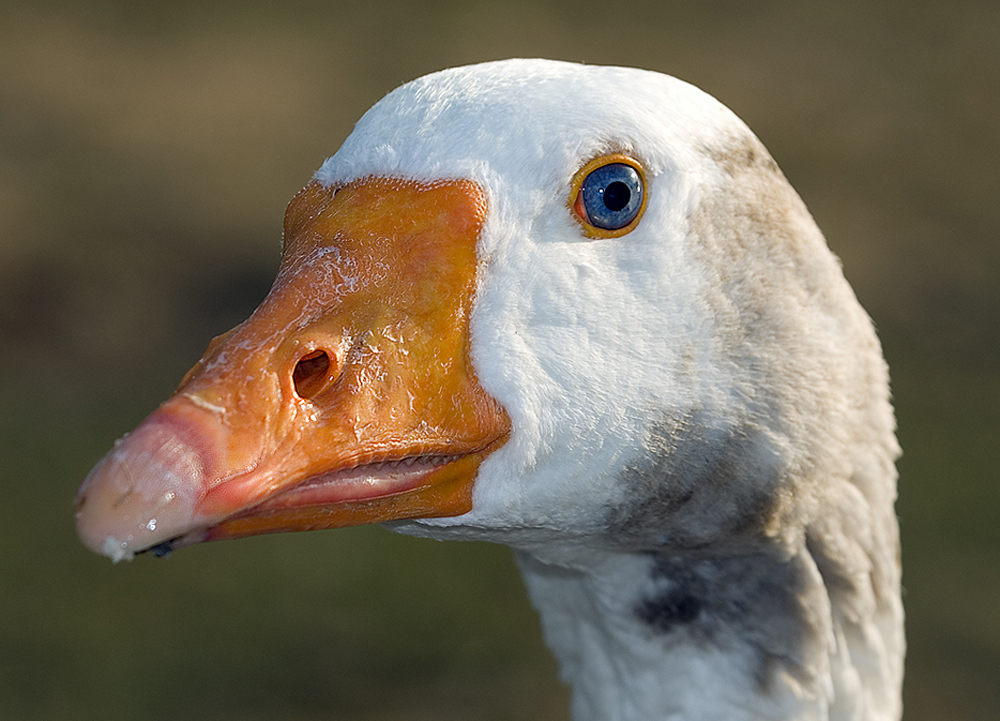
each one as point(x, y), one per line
point(697, 485)
point(760, 600)
point(669, 610)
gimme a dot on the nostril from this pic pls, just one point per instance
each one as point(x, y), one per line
point(311, 374)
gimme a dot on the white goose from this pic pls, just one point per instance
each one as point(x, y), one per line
point(579, 311)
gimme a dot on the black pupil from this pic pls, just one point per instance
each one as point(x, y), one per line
point(616, 195)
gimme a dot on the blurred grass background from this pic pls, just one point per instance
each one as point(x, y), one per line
point(147, 151)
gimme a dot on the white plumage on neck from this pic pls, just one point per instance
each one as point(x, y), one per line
point(634, 642)
point(699, 480)
point(619, 667)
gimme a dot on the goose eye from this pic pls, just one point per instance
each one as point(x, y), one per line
point(610, 196)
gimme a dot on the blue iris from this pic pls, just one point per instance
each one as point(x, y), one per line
point(612, 196)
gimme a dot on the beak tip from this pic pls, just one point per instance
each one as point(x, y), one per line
point(143, 493)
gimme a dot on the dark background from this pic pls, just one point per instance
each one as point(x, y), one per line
point(147, 151)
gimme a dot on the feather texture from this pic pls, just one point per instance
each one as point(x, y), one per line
point(700, 480)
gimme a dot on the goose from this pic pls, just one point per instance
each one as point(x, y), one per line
point(579, 311)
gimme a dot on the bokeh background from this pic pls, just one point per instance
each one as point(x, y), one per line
point(147, 151)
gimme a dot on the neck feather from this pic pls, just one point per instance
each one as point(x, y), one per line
point(652, 636)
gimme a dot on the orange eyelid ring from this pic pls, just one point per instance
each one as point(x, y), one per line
point(576, 196)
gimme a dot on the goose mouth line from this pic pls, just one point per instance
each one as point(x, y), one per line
point(364, 482)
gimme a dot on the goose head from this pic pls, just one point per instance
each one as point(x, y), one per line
point(577, 310)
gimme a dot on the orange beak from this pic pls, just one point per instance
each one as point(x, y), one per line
point(348, 397)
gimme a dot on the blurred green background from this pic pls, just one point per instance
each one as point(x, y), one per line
point(147, 151)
